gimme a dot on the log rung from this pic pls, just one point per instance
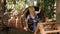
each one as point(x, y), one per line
point(48, 23)
point(53, 31)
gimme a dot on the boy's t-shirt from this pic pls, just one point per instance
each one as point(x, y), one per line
point(34, 18)
point(36, 12)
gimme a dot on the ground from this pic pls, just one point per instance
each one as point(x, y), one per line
point(15, 31)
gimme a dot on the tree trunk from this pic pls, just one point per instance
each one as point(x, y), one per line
point(58, 10)
point(2, 7)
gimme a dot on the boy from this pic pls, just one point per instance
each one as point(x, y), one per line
point(32, 19)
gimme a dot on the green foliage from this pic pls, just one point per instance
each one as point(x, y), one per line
point(18, 6)
point(9, 0)
point(26, 1)
point(49, 7)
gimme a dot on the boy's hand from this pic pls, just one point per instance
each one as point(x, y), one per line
point(26, 28)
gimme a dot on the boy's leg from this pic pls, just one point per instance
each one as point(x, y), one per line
point(37, 28)
point(34, 26)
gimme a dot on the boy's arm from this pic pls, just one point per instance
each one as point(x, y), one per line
point(26, 23)
point(39, 9)
point(26, 27)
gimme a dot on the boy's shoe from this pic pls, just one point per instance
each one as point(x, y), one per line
point(30, 30)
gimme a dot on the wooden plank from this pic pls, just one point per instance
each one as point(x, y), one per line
point(53, 31)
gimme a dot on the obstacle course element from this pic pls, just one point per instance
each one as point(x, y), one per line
point(41, 27)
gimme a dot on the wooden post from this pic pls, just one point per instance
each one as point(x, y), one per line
point(41, 29)
point(37, 28)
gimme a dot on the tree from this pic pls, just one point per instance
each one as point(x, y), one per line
point(58, 10)
point(2, 6)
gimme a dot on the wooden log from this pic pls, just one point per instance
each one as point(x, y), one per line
point(48, 23)
point(41, 29)
point(53, 31)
